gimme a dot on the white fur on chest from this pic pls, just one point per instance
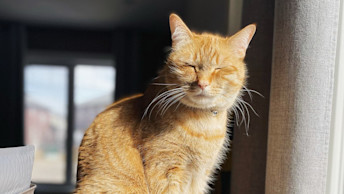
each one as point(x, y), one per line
point(206, 139)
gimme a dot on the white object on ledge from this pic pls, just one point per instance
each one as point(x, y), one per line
point(16, 169)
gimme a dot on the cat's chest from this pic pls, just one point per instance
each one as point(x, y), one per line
point(197, 141)
point(207, 128)
point(204, 138)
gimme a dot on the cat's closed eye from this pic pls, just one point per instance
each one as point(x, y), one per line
point(191, 66)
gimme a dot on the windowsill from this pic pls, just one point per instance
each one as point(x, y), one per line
point(54, 188)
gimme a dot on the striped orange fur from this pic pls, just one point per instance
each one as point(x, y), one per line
point(173, 137)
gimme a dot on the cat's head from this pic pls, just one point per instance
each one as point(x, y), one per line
point(209, 69)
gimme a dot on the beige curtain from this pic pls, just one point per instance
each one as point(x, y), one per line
point(305, 33)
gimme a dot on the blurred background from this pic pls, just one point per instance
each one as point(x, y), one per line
point(63, 62)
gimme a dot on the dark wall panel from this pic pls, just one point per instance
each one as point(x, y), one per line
point(69, 40)
point(11, 85)
point(249, 152)
point(139, 56)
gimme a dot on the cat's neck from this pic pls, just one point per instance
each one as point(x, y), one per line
point(201, 113)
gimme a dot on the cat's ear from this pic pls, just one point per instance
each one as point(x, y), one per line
point(180, 33)
point(240, 41)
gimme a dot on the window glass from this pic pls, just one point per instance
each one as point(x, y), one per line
point(45, 120)
point(94, 90)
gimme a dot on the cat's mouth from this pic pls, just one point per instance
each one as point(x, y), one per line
point(203, 95)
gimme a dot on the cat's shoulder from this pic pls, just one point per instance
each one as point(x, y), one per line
point(131, 100)
point(124, 107)
point(117, 115)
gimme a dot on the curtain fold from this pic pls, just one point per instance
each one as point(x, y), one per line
point(304, 49)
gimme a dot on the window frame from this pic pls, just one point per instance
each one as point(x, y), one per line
point(69, 60)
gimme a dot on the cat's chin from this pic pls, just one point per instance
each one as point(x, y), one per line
point(200, 101)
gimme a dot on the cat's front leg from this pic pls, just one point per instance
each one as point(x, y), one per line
point(171, 180)
point(199, 183)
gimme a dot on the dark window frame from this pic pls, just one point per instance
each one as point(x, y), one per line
point(69, 60)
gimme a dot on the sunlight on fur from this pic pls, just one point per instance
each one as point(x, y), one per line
point(172, 138)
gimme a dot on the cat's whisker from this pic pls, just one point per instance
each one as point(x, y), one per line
point(157, 98)
point(237, 107)
point(247, 117)
point(178, 104)
point(157, 77)
point(256, 92)
point(247, 125)
point(163, 84)
point(246, 90)
point(168, 101)
point(163, 99)
point(240, 108)
point(175, 99)
point(233, 114)
point(249, 105)
point(163, 103)
point(236, 116)
point(249, 91)
point(234, 108)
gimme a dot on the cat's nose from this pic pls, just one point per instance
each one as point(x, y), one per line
point(203, 84)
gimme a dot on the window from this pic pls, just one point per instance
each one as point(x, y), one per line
point(60, 102)
point(45, 119)
point(94, 90)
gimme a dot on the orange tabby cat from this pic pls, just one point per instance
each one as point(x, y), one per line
point(172, 138)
